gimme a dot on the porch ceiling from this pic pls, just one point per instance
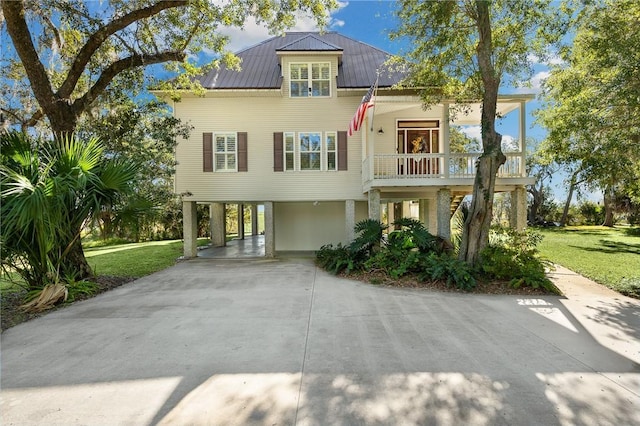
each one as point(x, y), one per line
point(461, 114)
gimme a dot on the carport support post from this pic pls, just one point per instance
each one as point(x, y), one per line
point(427, 217)
point(254, 219)
point(269, 230)
point(350, 220)
point(217, 223)
point(518, 217)
point(190, 229)
point(444, 213)
point(241, 221)
point(374, 204)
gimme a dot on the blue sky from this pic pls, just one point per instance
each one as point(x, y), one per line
point(370, 21)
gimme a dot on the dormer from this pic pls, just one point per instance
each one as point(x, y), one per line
point(309, 67)
point(267, 66)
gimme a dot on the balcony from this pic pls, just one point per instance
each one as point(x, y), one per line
point(442, 169)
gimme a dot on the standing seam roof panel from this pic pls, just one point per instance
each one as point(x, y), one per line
point(261, 69)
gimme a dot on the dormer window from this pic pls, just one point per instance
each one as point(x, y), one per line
point(310, 79)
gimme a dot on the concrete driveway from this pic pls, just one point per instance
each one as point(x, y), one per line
point(280, 342)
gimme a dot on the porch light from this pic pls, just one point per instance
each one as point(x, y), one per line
point(380, 131)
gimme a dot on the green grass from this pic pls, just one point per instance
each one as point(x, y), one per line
point(135, 259)
point(609, 256)
point(124, 260)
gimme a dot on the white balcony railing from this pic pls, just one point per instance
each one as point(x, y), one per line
point(433, 166)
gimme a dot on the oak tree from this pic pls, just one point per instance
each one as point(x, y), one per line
point(591, 106)
point(69, 53)
point(466, 50)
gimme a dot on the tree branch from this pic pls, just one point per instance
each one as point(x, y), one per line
point(109, 73)
point(95, 41)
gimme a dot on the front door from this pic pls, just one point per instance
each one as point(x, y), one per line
point(417, 138)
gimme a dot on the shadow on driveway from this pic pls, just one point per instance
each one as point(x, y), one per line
point(281, 342)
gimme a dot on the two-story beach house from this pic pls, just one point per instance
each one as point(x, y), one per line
point(276, 134)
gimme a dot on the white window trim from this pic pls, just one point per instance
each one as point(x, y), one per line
point(310, 79)
point(324, 163)
point(326, 151)
point(298, 140)
point(285, 152)
point(215, 151)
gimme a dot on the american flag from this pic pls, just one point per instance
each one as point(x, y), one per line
point(361, 112)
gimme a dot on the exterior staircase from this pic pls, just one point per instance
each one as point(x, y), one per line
point(455, 203)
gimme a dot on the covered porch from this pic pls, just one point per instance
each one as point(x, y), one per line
point(407, 146)
point(409, 156)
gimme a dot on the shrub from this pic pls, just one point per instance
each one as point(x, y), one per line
point(339, 258)
point(369, 236)
point(395, 263)
point(513, 256)
point(444, 267)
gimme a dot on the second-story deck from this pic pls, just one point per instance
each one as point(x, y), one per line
point(392, 170)
point(438, 166)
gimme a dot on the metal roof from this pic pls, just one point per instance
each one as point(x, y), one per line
point(261, 65)
point(310, 42)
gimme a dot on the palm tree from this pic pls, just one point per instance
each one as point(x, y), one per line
point(50, 190)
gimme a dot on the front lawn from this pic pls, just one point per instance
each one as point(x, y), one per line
point(609, 256)
point(135, 259)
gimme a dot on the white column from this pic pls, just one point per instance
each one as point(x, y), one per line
point(427, 217)
point(190, 229)
point(523, 138)
point(444, 213)
point(374, 204)
point(254, 219)
point(217, 222)
point(388, 207)
point(349, 220)
point(518, 217)
point(445, 145)
point(269, 230)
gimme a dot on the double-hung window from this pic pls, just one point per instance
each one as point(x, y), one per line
point(289, 151)
point(310, 151)
point(310, 79)
point(331, 150)
point(225, 152)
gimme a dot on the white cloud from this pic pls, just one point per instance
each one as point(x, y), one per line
point(552, 59)
point(253, 33)
point(535, 83)
point(473, 132)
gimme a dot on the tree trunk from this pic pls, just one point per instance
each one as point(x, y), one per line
point(537, 197)
point(567, 204)
point(609, 205)
point(75, 263)
point(475, 236)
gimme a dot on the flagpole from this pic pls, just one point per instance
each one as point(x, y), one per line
point(375, 94)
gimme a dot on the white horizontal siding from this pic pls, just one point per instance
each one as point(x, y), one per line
point(260, 118)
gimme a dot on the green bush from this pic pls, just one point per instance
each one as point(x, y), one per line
point(411, 250)
point(369, 236)
point(444, 267)
point(394, 262)
point(513, 256)
point(339, 258)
